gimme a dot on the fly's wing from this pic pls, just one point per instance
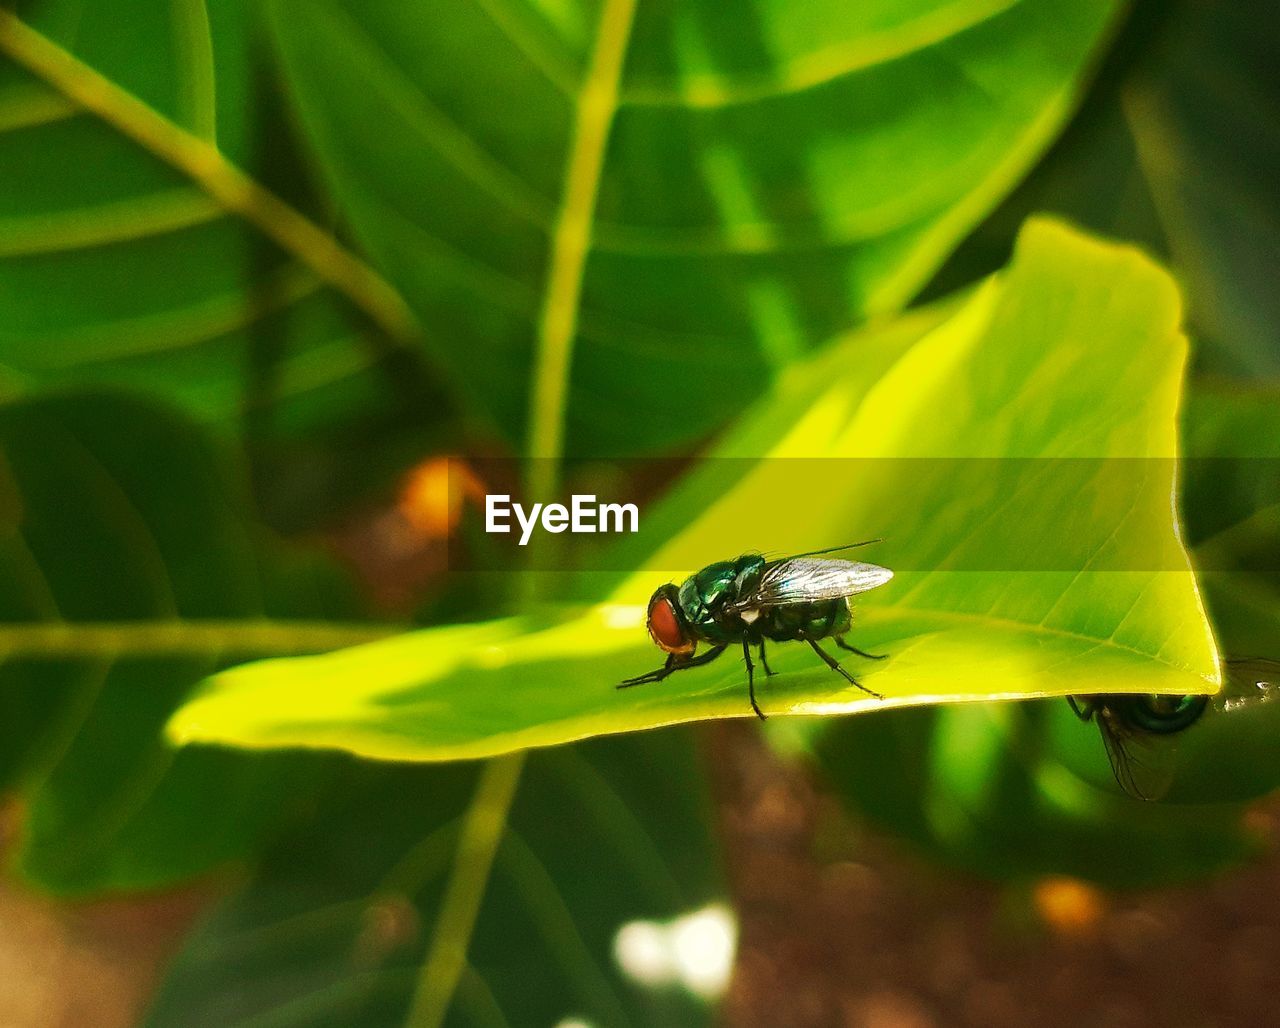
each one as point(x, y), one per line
point(800, 579)
point(1143, 763)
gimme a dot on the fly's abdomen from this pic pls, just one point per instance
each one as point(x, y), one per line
point(816, 619)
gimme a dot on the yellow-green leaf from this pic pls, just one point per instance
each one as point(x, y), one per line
point(1017, 451)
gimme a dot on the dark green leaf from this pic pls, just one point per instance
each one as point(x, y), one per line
point(1178, 150)
point(997, 789)
point(130, 572)
point(156, 231)
point(709, 187)
point(332, 928)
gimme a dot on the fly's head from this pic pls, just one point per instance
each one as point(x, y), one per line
point(668, 627)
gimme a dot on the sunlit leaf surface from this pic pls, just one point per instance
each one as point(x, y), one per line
point(1073, 354)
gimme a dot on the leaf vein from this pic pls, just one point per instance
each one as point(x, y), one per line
point(436, 129)
point(821, 67)
point(556, 67)
point(107, 224)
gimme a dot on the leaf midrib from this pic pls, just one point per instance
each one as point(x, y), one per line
point(571, 236)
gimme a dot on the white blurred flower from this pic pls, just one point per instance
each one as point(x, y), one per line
point(696, 950)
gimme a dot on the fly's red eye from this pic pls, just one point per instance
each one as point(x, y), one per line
point(665, 627)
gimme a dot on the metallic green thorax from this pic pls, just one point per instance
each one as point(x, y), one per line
point(705, 599)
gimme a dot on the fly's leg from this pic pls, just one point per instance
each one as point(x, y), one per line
point(861, 653)
point(651, 676)
point(1084, 713)
point(834, 665)
point(751, 680)
point(671, 666)
point(767, 669)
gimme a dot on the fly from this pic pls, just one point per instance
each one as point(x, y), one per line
point(751, 600)
point(1132, 727)
point(1138, 730)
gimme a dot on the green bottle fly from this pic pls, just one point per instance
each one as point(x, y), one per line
point(750, 600)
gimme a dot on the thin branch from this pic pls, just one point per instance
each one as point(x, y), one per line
point(482, 831)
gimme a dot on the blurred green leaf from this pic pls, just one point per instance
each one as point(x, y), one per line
point(1202, 114)
point(157, 231)
point(1229, 753)
point(1072, 354)
point(333, 926)
point(1176, 148)
point(129, 573)
point(1232, 435)
point(712, 188)
point(1232, 503)
point(996, 789)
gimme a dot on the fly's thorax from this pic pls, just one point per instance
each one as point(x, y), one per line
point(715, 584)
point(706, 598)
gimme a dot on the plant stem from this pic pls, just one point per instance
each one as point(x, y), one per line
point(482, 831)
